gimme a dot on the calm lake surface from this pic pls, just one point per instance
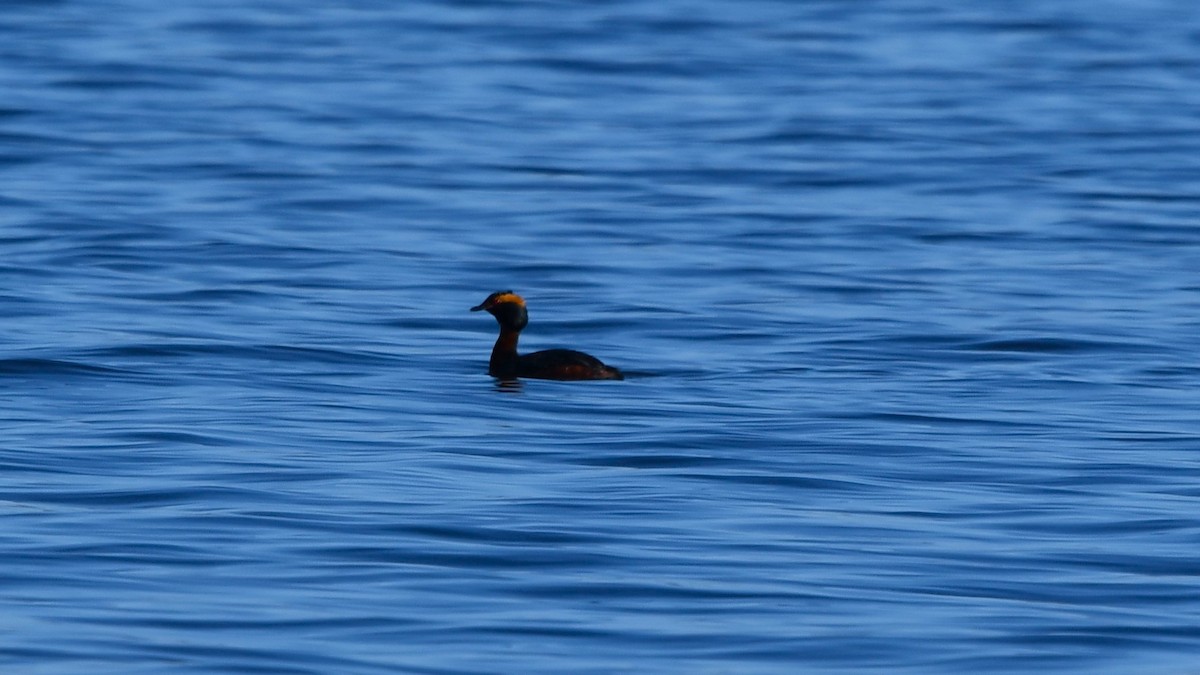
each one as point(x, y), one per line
point(907, 294)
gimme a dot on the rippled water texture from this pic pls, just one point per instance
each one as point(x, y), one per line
point(906, 293)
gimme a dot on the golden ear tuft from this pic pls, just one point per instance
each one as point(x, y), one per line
point(507, 296)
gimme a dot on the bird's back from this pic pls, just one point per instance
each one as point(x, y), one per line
point(565, 364)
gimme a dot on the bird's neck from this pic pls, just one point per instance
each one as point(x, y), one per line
point(504, 354)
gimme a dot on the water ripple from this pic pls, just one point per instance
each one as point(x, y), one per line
point(905, 293)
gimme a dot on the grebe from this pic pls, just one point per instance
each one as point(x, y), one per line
point(551, 364)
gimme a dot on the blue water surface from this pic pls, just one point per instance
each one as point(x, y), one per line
point(906, 294)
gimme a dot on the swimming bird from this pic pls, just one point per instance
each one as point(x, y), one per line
point(551, 364)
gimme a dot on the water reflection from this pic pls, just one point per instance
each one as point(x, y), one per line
point(510, 386)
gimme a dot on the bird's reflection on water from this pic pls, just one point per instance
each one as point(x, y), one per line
point(509, 386)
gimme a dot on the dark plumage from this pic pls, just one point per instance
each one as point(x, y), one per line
point(551, 364)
